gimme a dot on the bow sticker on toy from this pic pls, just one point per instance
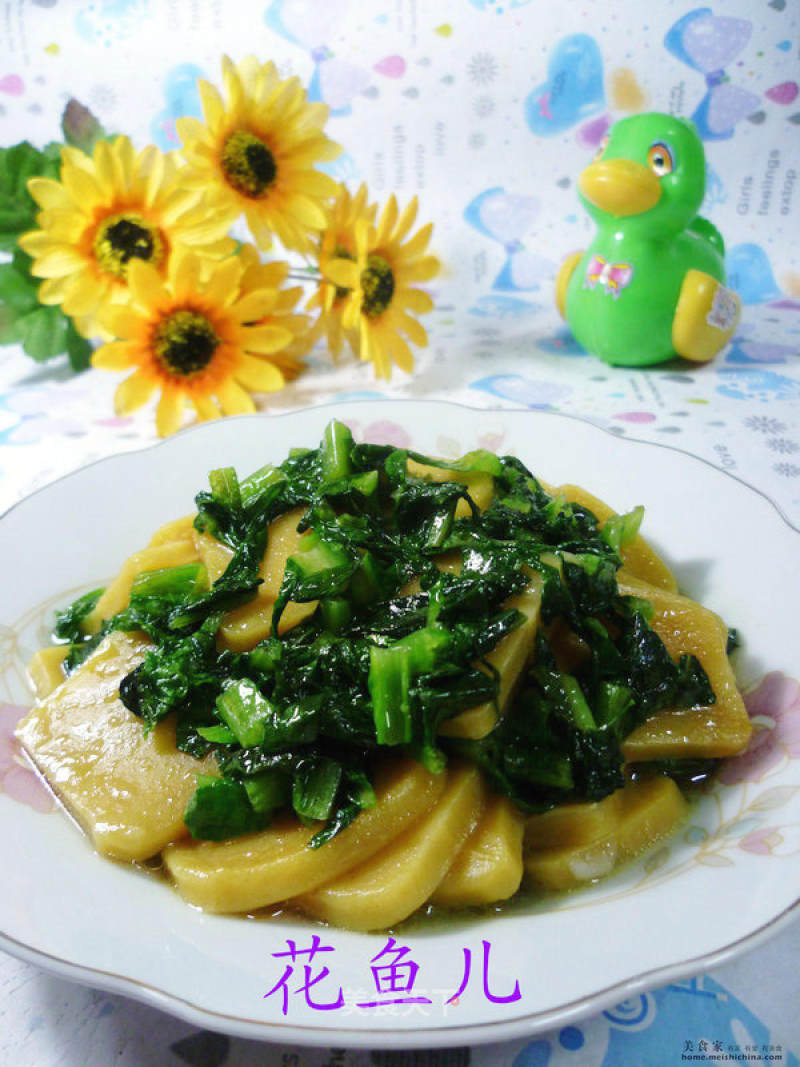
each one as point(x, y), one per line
point(614, 277)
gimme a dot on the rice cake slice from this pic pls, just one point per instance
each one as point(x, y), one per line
point(116, 596)
point(181, 529)
point(128, 791)
point(244, 627)
point(46, 669)
point(642, 813)
point(510, 657)
point(568, 825)
point(718, 730)
point(256, 870)
point(387, 889)
point(489, 866)
point(479, 484)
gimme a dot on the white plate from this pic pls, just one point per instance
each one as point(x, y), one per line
point(718, 887)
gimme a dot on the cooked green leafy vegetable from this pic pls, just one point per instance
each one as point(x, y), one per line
point(397, 643)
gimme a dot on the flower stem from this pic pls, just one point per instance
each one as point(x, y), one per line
point(306, 274)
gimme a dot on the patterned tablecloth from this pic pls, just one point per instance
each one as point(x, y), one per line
point(487, 110)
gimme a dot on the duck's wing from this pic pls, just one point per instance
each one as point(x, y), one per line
point(707, 229)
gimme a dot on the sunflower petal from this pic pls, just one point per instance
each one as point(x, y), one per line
point(191, 132)
point(82, 294)
point(316, 150)
point(122, 322)
point(117, 355)
point(268, 275)
point(259, 375)
point(343, 273)
point(416, 300)
point(421, 270)
point(388, 219)
point(223, 285)
point(169, 411)
point(49, 193)
point(153, 166)
point(104, 167)
point(307, 211)
point(364, 339)
point(314, 183)
point(133, 392)
point(254, 306)
point(259, 228)
point(51, 291)
point(83, 189)
point(57, 262)
point(401, 354)
point(38, 242)
point(233, 399)
point(251, 73)
point(174, 208)
point(205, 406)
point(62, 225)
point(362, 233)
point(123, 157)
point(213, 108)
point(234, 90)
point(381, 358)
point(145, 284)
point(419, 242)
point(413, 329)
point(265, 339)
point(185, 269)
point(351, 312)
point(406, 220)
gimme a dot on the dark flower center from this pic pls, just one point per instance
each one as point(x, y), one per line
point(248, 164)
point(377, 286)
point(185, 342)
point(121, 238)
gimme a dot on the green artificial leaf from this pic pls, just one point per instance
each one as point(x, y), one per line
point(78, 348)
point(43, 332)
point(18, 209)
point(9, 331)
point(17, 290)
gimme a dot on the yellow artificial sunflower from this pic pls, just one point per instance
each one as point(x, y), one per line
point(338, 241)
point(106, 211)
point(382, 287)
point(256, 151)
point(197, 336)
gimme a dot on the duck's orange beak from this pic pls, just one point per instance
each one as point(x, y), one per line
point(620, 187)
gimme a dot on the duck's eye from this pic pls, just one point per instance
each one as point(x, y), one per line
point(659, 159)
point(601, 149)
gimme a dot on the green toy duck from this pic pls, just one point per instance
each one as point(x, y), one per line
point(651, 284)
